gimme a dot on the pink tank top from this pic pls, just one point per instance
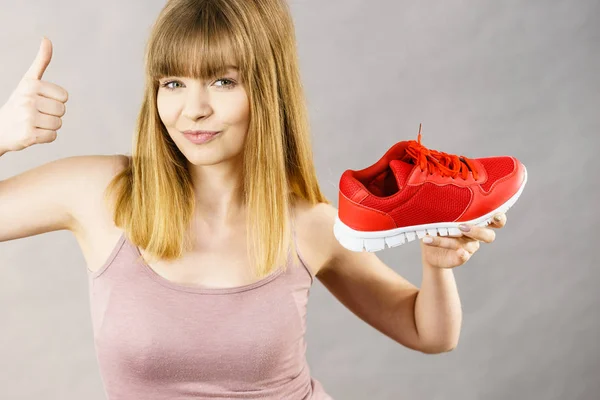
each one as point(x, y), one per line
point(156, 339)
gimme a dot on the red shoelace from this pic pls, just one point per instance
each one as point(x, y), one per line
point(438, 162)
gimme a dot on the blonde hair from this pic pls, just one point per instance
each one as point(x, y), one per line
point(154, 196)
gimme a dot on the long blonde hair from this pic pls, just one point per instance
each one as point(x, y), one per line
point(154, 196)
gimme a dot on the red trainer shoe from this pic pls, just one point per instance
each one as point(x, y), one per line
point(413, 191)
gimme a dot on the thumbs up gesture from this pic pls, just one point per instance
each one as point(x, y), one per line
point(33, 112)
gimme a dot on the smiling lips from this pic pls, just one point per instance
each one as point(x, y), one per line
point(200, 132)
point(201, 136)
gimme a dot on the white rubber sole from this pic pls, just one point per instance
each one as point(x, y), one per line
point(375, 241)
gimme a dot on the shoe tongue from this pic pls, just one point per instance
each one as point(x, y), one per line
point(402, 170)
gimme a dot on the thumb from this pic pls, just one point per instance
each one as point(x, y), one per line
point(44, 55)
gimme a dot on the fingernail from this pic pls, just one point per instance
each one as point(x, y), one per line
point(464, 228)
point(498, 217)
point(428, 239)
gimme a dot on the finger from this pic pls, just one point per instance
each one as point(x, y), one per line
point(498, 223)
point(443, 242)
point(42, 59)
point(472, 246)
point(50, 106)
point(45, 121)
point(52, 91)
point(479, 233)
point(462, 256)
point(43, 136)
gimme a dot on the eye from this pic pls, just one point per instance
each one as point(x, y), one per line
point(165, 85)
point(230, 84)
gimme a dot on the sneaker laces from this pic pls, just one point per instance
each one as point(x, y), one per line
point(434, 161)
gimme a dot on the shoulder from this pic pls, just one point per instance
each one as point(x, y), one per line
point(101, 169)
point(89, 172)
point(95, 171)
point(314, 232)
point(119, 163)
point(95, 168)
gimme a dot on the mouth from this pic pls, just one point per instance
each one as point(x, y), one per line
point(200, 132)
point(201, 137)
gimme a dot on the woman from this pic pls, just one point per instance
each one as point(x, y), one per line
point(203, 295)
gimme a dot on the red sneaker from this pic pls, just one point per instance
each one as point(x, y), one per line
point(413, 191)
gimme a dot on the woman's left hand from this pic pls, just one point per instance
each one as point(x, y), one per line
point(450, 252)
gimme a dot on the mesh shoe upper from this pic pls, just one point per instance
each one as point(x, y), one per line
point(412, 185)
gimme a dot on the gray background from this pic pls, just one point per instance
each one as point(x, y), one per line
point(484, 77)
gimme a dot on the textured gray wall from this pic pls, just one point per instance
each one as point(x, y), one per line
point(484, 77)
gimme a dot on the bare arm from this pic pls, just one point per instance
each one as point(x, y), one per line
point(48, 197)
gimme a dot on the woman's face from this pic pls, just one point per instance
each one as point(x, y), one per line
point(220, 104)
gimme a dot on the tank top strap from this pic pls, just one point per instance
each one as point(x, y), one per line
point(300, 258)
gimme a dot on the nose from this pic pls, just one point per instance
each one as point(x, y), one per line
point(197, 103)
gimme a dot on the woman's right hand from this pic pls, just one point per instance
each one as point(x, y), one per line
point(33, 112)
